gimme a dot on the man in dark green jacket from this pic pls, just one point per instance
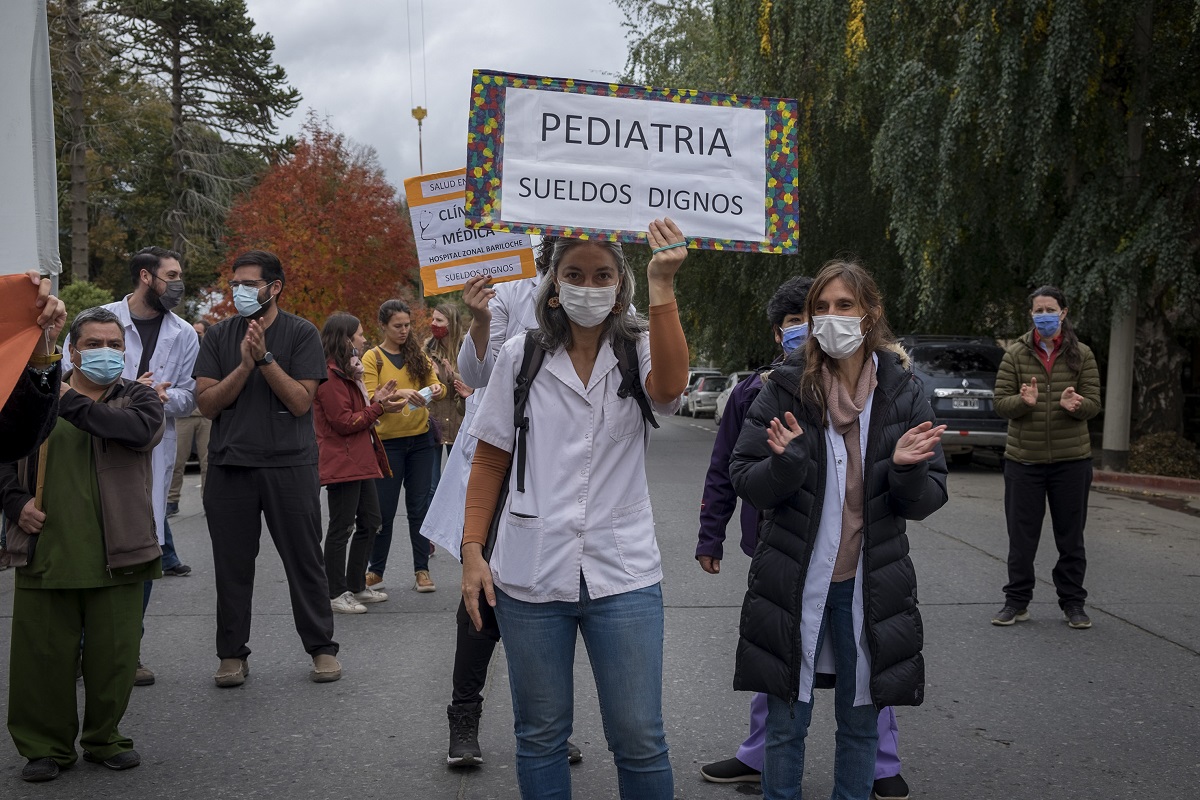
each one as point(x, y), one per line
point(81, 533)
point(1048, 387)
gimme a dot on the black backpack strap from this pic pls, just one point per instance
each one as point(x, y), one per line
point(531, 362)
point(631, 380)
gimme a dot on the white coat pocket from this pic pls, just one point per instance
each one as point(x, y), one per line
point(518, 556)
point(633, 529)
point(623, 419)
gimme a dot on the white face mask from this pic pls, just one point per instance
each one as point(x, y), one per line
point(839, 337)
point(587, 307)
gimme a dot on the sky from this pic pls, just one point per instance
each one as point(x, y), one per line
point(350, 63)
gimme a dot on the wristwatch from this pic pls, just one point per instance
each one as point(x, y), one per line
point(266, 359)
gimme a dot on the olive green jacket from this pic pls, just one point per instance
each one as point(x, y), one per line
point(1046, 432)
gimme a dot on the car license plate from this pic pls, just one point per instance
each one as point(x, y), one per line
point(965, 403)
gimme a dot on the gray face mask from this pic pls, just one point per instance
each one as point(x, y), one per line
point(171, 296)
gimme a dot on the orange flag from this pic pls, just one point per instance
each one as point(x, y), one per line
point(19, 330)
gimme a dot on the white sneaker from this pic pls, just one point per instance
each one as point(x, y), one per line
point(370, 595)
point(346, 604)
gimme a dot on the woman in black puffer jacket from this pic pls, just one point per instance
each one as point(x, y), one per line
point(839, 449)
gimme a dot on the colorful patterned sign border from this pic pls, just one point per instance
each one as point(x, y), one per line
point(485, 146)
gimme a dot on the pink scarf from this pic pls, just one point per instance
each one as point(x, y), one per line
point(844, 412)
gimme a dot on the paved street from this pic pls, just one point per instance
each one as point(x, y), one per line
point(1033, 711)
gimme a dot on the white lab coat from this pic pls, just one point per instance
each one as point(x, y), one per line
point(586, 504)
point(512, 314)
point(173, 360)
point(820, 570)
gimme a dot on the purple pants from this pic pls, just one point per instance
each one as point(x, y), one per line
point(753, 750)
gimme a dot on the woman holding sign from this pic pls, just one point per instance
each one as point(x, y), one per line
point(575, 550)
point(837, 452)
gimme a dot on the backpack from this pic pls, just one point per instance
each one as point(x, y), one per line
point(531, 362)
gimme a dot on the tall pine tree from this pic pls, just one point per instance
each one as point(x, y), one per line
point(225, 96)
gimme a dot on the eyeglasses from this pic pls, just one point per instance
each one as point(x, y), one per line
point(252, 284)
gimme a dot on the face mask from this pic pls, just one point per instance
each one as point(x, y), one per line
point(1046, 324)
point(840, 337)
point(102, 366)
point(245, 300)
point(439, 331)
point(794, 336)
point(171, 296)
point(587, 307)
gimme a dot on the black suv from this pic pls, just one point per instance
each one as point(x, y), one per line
point(959, 375)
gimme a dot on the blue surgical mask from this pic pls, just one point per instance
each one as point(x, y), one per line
point(245, 300)
point(102, 365)
point(1047, 324)
point(793, 336)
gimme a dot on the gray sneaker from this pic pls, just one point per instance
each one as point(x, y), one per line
point(1010, 614)
point(1075, 616)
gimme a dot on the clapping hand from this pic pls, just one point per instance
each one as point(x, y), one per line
point(463, 390)
point(779, 436)
point(147, 378)
point(1029, 392)
point(385, 393)
point(1070, 399)
point(917, 444)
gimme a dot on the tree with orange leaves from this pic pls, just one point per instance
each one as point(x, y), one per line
point(335, 222)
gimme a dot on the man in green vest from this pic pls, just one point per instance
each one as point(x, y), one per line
point(80, 530)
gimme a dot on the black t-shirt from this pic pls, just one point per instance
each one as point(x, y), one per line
point(257, 430)
point(148, 330)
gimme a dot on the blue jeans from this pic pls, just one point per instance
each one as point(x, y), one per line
point(169, 559)
point(857, 726)
point(623, 635)
point(411, 460)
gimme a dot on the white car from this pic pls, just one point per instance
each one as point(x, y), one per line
point(694, 375)
point(723, 398)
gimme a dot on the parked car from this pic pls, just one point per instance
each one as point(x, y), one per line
point(694, 374)
point(959, 375)
point(723, 398)
point(702, 399)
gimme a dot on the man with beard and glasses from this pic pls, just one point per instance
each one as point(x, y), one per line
point(256, 378)
point(160, 351)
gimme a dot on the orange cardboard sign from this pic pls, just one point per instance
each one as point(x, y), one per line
point(19, 330)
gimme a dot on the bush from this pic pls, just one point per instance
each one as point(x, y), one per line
point(1165, 454)
point(79, 295)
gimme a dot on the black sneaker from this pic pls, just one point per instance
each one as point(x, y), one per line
point(464, 735)
point(1010, 614)
point(731, 770)
point(1075, 616)
point(179, 570)
point(39, 770)
point(893, 788)
point(172, 509)
point(574, 754)
point(127, 760)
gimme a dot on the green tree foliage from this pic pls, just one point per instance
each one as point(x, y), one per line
point(224, 95)
point(79, 296)
point(968, 152)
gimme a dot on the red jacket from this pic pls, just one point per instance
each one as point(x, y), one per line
point(345, 423)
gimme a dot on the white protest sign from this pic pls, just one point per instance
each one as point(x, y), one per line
point(575, 158)
point(451, 253)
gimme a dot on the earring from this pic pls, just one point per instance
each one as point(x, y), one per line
point(553, 302)
point(618, 308)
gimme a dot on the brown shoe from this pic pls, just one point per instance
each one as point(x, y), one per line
point(424, 583)
point(144, 675)
point(373, 580)
point(326, 669)
point(232, 672)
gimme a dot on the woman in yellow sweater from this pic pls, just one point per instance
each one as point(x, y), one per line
point(406, 437)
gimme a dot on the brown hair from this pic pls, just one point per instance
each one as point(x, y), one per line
point(449, 346)
point(415, 361)
point(335, 340)
point(1070, 342)
point(879, 333)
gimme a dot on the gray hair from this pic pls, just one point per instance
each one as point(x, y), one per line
point(554, 329)
point(98, 314)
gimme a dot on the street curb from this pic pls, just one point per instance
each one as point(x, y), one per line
point(1145, 483)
